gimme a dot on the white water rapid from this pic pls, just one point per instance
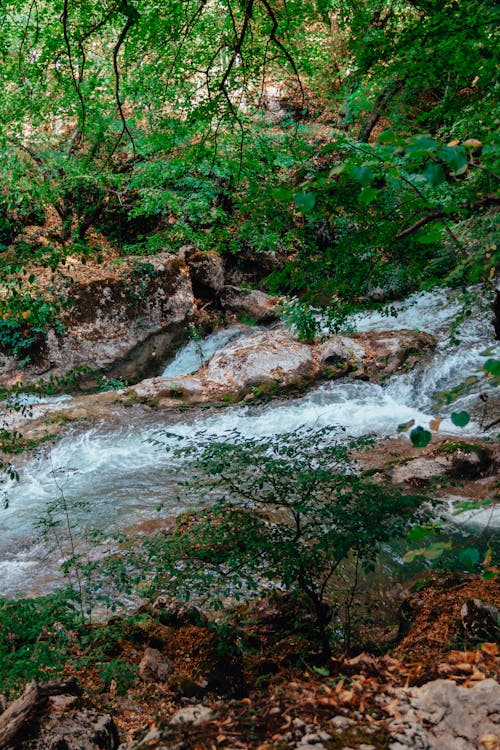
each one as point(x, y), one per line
point(114, 476)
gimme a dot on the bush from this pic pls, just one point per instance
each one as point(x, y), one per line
point(284, 514)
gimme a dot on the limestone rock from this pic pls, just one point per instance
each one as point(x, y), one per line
point(85, 730)
point(154, 667)
point(121, 324)
point(195, 715)
point(443, 716)
point(207, 273)
point(264, 358)
point(183, 386)
point(386, 352)
point(253, 304)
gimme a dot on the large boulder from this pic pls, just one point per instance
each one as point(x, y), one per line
point(264, 358)
point(387, 352)
point(275, 360)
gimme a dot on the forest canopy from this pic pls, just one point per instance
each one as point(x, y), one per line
point(357, 140)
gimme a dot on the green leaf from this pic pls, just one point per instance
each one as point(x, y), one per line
point(469, 557)
point(434, 551)
point(322, 671)
point(420, 144)
point(434, 174)
point(455, 157)
point(419, 532)
point(488, 575)
point(492, 366)
point(431, 235)
point(420, 437)
point(368, 195)
point(460, 418)
point(305, 202)
point(363, 174)
point(283, 194)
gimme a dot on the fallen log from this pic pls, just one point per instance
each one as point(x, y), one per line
point(33, 700)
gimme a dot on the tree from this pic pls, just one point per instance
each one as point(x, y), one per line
point(284, 513)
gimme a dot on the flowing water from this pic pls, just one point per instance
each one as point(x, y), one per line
point(114, 475)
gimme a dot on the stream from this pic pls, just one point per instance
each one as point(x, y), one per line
point(113, 475)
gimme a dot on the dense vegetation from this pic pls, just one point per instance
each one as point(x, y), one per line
point(348, 150)
point(144, 126)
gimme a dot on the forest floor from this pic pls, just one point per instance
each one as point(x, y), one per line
point(276, 692)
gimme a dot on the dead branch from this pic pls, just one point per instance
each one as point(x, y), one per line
point(33, 700)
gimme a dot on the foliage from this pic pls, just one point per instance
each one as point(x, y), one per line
point(283, 513)
point(35, 636)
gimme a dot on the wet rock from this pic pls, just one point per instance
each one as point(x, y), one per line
point(338, 355)
point(252, 304)
point(207, 273)
point(177, 388)
point(443, 716)
point(267, 357)
point(154, 667)
point(274, 360)
point(392, 351)
point(459, 460)
point(480, 620)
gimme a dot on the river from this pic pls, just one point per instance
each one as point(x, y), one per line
point(113, 475)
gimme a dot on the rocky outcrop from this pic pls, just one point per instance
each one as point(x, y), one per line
point(443, 716)
point(275, 360)
point(122, 321)
point(207, 273)
point(387, 352)
point(43, 718)
point(118, 323)
point(264, 358)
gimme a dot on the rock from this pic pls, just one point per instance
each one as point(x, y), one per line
point(338, 355)
point(85, 730)
point(176, 614)
point(264, 358)
point(121, 322)
point(443, 716)
point(342, 722)
point(154, 667)
point(253, 304)
point(388, 352)
point(459, 460)
point(195, 715)
point(182, 387)
point(207, 273)
point(418, 471)
point(480, 620)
